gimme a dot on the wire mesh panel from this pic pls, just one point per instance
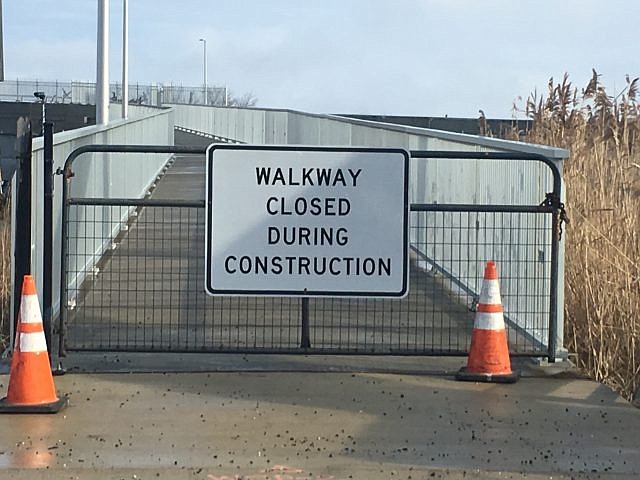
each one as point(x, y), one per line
point(143, 288)
point(132, 276)
point(438, 314)
point(429, 321)
point(452, 250)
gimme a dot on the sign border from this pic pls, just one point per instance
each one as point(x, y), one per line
point(304, 293)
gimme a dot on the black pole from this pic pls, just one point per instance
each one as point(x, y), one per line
point(63, 267)
point(305, 341)
point(22, 239)
point(47, 254)
point(553, 298)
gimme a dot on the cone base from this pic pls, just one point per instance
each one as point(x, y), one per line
point(53, 407)
point(467, 376)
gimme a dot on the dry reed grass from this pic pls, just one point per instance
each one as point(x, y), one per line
point(5, 270)
point(602, 176)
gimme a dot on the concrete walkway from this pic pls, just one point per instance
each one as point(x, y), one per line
point(322, 425)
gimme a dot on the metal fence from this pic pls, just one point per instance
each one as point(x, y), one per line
point(179, 94)
point(143, 291)
point(85, 93)
point(23, 91)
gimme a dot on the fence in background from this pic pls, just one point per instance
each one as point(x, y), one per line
point(85, 93)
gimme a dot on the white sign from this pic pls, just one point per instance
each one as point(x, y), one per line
point(306, 221)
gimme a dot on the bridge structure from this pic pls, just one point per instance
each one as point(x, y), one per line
point(128, 239)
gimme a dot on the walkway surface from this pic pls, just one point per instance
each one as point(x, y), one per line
point(272, 420)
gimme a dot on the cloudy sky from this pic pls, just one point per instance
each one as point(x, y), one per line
point(413, 57)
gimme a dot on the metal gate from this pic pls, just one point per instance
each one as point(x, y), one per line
point(132, 276)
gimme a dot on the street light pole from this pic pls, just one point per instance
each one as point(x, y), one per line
point(204, 41)
point(125, 58)
point(102, 76)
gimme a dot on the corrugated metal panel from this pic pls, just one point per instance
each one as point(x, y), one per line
point(312, 127)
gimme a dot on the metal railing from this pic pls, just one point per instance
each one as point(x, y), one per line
point(143, 290)
point(85, 93)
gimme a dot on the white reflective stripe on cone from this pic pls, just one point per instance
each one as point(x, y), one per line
point(490, 292)
point(30, 309)
point(489, 321)
point(33, 342)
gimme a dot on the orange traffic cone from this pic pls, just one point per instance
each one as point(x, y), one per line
point(489, 353)
point(31, 388)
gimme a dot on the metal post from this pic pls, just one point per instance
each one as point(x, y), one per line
point(22, 210)
point(47, 254)
point(553, 294)
point(63, 262)
point(125, 58)
point(305, 341)
point(206, 95)
point(102, 74)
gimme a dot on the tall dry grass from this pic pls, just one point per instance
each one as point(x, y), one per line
point(5, 269)
point(602, 176)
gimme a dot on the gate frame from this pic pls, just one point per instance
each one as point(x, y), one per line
point(552, 204)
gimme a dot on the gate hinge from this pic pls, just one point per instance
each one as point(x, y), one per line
point(552, 200)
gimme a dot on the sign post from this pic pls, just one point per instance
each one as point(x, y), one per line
point(306, 221)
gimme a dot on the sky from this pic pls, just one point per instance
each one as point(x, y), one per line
point(392, 57)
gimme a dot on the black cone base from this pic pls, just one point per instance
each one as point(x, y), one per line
point(53, 407)
point(465, 376)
